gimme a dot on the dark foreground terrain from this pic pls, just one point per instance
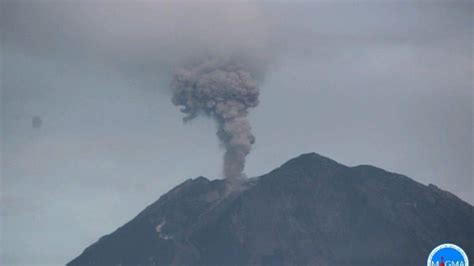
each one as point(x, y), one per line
point(309, 211)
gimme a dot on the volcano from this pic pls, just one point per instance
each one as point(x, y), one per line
point(309, 211)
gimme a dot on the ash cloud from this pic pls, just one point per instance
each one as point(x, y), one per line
point(223, 90)
point(150, 38)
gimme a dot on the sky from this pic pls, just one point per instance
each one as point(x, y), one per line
point(382, 83)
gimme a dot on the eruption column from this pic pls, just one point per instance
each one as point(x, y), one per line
point(225, 92)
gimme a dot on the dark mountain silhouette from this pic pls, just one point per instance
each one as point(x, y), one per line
point(310, 211)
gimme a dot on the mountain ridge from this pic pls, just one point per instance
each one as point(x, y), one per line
point(309, 211)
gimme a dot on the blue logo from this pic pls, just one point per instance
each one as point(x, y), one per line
point(448, 255)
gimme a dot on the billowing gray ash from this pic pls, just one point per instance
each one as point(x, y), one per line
point(224, 91)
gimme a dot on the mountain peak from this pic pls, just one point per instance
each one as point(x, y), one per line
point(309, 211)
point(201, 178)
point(311, 158)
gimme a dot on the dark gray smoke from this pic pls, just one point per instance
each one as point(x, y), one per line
point(224, 91)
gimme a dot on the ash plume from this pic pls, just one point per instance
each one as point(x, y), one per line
point(224, 91)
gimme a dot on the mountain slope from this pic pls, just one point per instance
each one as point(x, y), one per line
point(309, 211)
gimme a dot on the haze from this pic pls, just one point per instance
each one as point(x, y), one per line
point(387, 84)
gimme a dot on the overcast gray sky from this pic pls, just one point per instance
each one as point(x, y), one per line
point(387, 84)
